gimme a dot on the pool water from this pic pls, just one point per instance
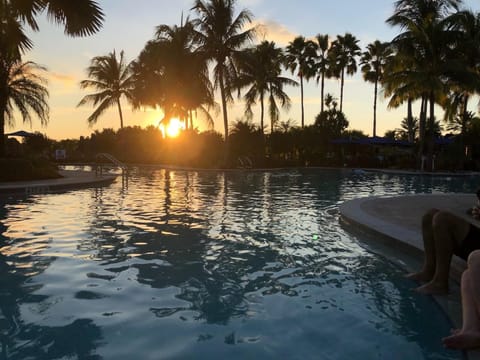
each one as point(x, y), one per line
point(210, 265)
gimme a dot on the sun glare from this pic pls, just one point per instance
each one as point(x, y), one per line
point(174, 127)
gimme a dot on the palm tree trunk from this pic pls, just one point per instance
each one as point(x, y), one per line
point(262, 113)
point(375, 110)
point(3, 106)
point(2, 133)
point(421, 137)
point(463, 131)
point(322, 90)
point(225, 115)
point(411, 132)
point(464, 116)
point(301, 100)
point(342, 79)
point(120, 113)
point(431, 137)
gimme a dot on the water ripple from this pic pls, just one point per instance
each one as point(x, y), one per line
point(209, 265)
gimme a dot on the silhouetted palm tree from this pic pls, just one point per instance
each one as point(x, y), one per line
point(467, 82)
point(461, 123)
point(300, 58)
point(247, 142)
point(322, 63)
point(172, 73)
point(221, 34)
point(343, 59)
point(80, 18)
point(331, 122)
point(13, 39)
point(260, 71)
point(408, 129)
point(424, 48)
point(23, 92)
point(374, 60)
point(112, 78)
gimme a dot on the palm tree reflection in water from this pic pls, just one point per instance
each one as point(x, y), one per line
point(207, 259)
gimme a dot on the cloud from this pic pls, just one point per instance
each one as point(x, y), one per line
point(250, 3)
point(273, 31)
point(62, 84)
point(65, 80)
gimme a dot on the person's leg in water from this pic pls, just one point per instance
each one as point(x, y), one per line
point(445, 234)
point(428, 270)
point(468, 337)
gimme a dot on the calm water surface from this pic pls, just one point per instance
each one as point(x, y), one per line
point(210, 265)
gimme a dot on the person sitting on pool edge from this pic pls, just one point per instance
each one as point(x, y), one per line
point(444, 234)
point(468, 337)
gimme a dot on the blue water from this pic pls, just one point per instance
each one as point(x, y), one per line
point(210, 265)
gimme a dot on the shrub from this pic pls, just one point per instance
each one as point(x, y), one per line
point(26, 169)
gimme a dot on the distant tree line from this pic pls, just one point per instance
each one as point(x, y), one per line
point(286, 146)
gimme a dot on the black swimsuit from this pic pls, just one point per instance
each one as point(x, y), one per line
point(469, 244)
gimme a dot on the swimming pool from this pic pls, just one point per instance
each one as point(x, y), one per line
point(210, 265)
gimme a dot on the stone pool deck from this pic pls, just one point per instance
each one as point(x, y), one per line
point(71, 179)
point(399, 218)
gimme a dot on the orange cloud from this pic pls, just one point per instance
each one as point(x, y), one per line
point(273, 31)
point(66, 80)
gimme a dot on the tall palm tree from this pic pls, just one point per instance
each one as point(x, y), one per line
point(466, 83)
point(221, 34)
point(461, 123)
point(172, 73)
point(23, 90)
point(425, 45)
point(13, 39)
point(112, 78)
point(409, 129)
point(343, 59)
point(300, 58)
point(374, 60)
point(80, 18)
point(323, 62)
point(260, 71)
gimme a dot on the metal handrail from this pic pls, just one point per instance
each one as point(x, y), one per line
point(112, 159)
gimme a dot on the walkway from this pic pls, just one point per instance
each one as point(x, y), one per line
point(70, 180)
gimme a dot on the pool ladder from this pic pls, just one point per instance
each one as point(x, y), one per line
point(112, 159)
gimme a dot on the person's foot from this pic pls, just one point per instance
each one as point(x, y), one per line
point(419, 276)
point(432, 288)
point(455, 331)
point(462, 340)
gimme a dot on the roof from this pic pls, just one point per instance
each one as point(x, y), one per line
point(21, 133)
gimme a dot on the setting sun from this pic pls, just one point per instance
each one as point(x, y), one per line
point(173, 128)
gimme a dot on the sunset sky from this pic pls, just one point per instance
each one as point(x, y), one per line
point(130, 24)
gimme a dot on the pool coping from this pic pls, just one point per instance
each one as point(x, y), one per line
point(70, 180)
point(397, 222)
